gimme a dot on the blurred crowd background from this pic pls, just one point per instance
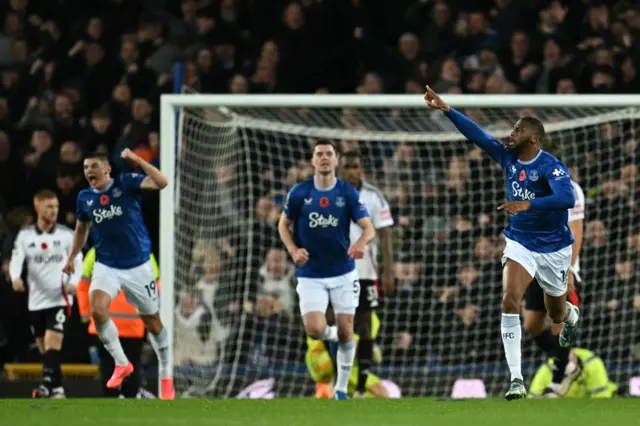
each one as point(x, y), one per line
point(78, 76)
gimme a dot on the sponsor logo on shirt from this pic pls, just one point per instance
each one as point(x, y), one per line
point(55, 258)
point(559, 174)
point(523, 194)
point(318, 220)
point(107, 214)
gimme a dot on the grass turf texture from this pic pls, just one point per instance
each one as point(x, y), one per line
point(309, 412)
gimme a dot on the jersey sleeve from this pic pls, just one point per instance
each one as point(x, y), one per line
point(81, 213)
point(292, 204)
point(17, 258)
point(559, 180)
point(475, 134)
point(357, 209)
point(577, 212)
point(381, 214)
point(131, 182)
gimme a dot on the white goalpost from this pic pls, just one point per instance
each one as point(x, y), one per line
point(228, 299)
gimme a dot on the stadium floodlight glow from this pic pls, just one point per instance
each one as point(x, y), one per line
point(223, 154)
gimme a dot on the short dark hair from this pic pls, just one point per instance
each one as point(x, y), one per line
point(351, 155)
point(535, 125)
point(325, 142)
point(97, 156)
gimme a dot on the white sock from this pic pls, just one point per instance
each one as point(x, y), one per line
point(572, 318)
point(511, 338)
point(330, 334)
point(160, 345)
point(345, 357)
point(109, 336)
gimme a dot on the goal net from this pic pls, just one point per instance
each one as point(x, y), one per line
point(237, 328)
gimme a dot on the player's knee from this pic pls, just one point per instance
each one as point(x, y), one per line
point(511, 303)
point(314, 329)
point(52, 341)
point(152, 322)
point(345, 334)
point(100, 314)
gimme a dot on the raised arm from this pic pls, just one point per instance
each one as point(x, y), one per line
point(467, 127)
point(154, 179)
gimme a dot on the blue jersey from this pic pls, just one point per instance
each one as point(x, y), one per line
point(118, 231)
point(543, 181)
point(322, 219)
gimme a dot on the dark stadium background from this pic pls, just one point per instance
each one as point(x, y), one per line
point(78, 76)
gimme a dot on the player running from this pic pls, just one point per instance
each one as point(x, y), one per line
point(45, 247)
point(380, 214)
point(321, 367)
point(315, 229)
point(538, 238)
point(536, 313)
point(111, 209)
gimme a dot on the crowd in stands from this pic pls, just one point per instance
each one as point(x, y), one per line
point(79, 76)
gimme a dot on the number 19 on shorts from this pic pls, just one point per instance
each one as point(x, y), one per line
point(151, 288)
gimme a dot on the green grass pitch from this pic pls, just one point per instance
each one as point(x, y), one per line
point(309, 412)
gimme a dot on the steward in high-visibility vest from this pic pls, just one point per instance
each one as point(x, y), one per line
point(125, 316)
point(588, 378)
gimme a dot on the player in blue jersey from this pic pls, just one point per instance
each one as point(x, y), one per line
point(315, 229)
point(539, 241)
point(110, 209)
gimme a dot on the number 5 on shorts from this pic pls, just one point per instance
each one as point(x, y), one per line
point(356, 289)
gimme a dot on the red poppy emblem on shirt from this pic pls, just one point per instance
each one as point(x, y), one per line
point(44, 246)
point(104, 199)
point(324, 202)
point(523, 175)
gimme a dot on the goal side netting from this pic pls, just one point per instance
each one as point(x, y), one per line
point(237, 326)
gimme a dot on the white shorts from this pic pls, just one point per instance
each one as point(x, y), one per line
point(343, 291)
point(139, 285)
point(549, 269)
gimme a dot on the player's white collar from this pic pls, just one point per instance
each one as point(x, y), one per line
point(315, 183)
point(97, 191)
point(531, 161)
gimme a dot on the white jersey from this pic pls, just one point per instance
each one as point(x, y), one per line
point(577, 213)
point(380, 216)
point(45, 253)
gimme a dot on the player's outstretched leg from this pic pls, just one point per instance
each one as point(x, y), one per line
point(159, 339)
point(346, 354)
point(515, 280)
point(546, 339)
point(108, 333)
